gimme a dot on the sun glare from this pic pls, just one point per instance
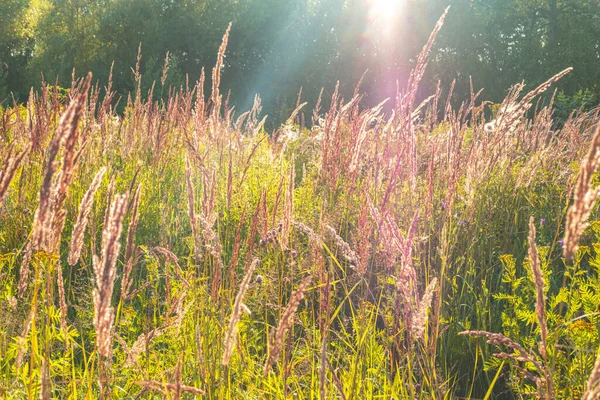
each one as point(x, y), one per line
point(384, 8)
point(382, 13)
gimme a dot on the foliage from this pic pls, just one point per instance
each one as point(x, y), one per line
point(278, 46)
point(581, 100)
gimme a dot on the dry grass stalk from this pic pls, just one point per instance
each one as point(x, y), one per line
point(336, 381)
point(140, 345)
point(177, 375)
point(192, 210)
point(540, 299)
point(130, 295)
point(420, 317)
point(53, 189)
point(24, 271)
point(11, 165)
point(400, 246)
point(216, 78)
point(169, 255)
point(232, 330)
point(199, 114)
point(175, 319)
point(165, 388)
point(592, 391)
point(132, 359)
point(417, 73)
point(233, 261)
point(71, 155)
point(285, 323)
point(294, 113)
point(528, 98)
point(213, 245)
point(345, 249)
point(85, 208)
point(363, 123)
point(405, 104)
point(165, 70)
point(45, 386)
point(512, 110)
point(498, 339)
point(22, 340)
point(314, 238)
point(584, 198)
point(109, 196)
point(209, 184)
point(288, 209)
point(396, 244)
point(138, 78)
point(105, 271)
point(129, 248)
point(544, 383)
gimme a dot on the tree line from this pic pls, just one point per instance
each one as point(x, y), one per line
point(278, 46)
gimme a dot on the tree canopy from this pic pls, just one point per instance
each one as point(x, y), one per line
point(278, 46)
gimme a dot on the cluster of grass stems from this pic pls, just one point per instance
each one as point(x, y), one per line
point(180, 251)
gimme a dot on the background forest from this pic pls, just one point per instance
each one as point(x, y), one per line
point(278, 46)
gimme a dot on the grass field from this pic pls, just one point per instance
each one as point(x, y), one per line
point(177, 250)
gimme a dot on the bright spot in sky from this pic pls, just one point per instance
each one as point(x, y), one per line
point(384, 8)
point(383, 13)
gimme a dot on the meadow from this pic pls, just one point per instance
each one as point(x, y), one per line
point(178, 250)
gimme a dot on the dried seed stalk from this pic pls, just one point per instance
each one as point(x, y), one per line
point(285, 323)
point(420, 318)
point(192, 210)
point(48, 222)
point(163, 388)
point(11, 165)
point(544, 383)
point(538, 280)
point(125, 282)
point(584, 198)
point(345, 249)
point(105, 271)
point(85, 208)
point(231, 334)
point(592, 391)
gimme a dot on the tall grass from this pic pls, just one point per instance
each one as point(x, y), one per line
point(340, 261)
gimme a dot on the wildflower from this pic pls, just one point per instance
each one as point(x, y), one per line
point(443, 205)
point(542, 221)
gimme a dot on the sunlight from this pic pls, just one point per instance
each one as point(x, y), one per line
point(383, 13)
point(384, 8)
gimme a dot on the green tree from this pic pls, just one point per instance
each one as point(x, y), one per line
point(15, 47)
point(65, 39)
point(501, 42)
